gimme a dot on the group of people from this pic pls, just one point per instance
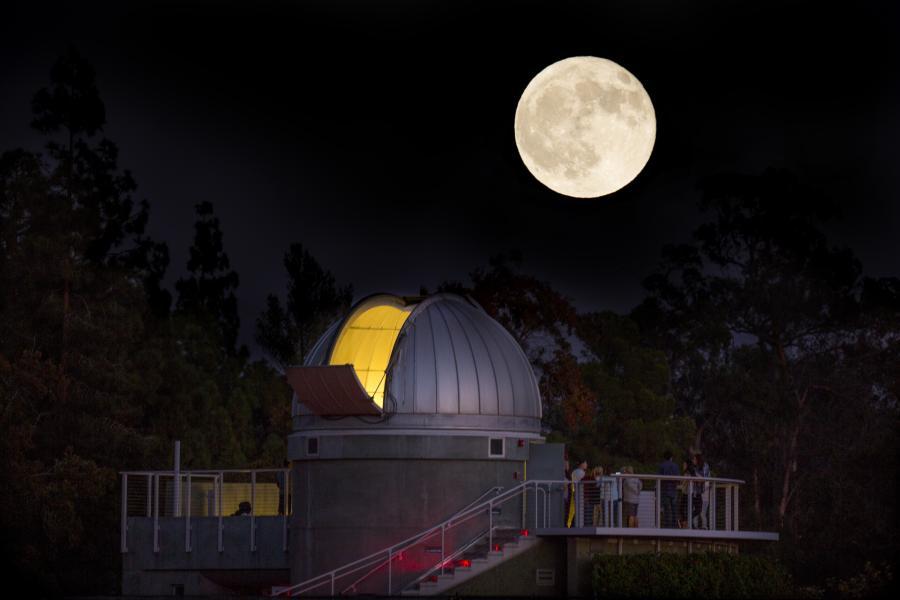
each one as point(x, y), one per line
point(602, 495)
point(676, 494)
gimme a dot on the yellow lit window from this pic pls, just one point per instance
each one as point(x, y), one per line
point(366, 342)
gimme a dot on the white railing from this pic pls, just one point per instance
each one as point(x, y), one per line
point(685, 503)
point(543, 494)
point(220, 494)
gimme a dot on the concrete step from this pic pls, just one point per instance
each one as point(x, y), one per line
point(478, 566)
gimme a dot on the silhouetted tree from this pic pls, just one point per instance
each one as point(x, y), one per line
point(208, 290)
point(95, 376)
point(771, 334)
point(84, 172)
point(635, 418)
point(314, 301)
point(73, 318)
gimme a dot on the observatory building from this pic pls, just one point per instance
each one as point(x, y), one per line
point(415, 466)
point(405, 411)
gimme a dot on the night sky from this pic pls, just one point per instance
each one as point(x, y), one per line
point(380, 135)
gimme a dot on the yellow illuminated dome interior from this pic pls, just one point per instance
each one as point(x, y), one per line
point(366, 342)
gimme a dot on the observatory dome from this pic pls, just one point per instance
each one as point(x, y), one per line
point(435, 363)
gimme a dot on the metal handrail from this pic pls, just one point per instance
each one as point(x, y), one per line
point(299, 588)
point(495, 489)
point(450, 558)
point(204, 471)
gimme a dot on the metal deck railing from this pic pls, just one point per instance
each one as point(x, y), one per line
point(228, 495)
point(663, 502)
point(667, 506)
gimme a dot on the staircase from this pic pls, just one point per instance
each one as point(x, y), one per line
point(481, 553)
point(478, 559)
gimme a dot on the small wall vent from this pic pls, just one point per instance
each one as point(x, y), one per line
point(545, 577)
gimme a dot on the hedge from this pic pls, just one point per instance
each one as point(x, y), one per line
point(703, 575)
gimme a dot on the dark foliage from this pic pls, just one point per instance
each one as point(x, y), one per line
point(702, 575)
point(95, 375)
point(314, 301)
point(786, 356)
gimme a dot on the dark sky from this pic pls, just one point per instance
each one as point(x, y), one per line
point(380, 134)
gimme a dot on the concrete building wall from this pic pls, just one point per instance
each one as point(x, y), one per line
point(519, 575)
point(363, 493)
point(204, 569)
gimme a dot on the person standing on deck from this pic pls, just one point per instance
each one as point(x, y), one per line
point(667, 467)
point(702, 469)
point(577, 475)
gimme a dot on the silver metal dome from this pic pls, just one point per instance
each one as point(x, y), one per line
point(451, 367)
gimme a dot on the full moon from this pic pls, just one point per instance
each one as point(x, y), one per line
point(585, 127)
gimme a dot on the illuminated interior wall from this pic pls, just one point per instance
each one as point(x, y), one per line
point(366, 342)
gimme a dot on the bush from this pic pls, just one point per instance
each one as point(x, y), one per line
point(875, 581)
point(706, 575)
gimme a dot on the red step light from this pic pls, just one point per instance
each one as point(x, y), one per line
point(524, 533)
point(465, 563)
point(496, 547)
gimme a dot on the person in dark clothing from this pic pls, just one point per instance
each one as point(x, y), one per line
point(667, 467)
point(681, 495)
point(284, 496)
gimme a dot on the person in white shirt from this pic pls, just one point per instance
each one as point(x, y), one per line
point(702, 470)
point(631, 497)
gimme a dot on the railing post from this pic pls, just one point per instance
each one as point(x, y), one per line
point(659, 503)
point(490, 526)
point(621, 487)
point(332, 583)
point(124, 512)
point(737, 508)
point(524, 505)
point(149, 495)
point(728, 507)
point(187, 516)
point(390, 570)
point(287, 492)
point(579, 505)
point(156, 513)
point(176, 495)
point(221, 522)
point(252, 511)
point(712, 506)
point(442, 549)
point(690, 505)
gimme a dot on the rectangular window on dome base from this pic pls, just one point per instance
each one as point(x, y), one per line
point(312, 446)
point(496, 448)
